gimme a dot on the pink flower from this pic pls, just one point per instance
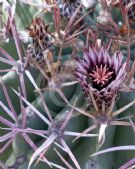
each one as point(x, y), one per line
point(101, 74)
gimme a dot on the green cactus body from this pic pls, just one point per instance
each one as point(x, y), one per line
point(124, 135)
point(80, 76)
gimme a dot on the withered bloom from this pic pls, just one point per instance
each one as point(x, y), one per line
point(42, 40)
point(100, 74)
point(68, 7)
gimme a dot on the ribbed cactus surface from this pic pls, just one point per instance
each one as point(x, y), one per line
point(67, 84)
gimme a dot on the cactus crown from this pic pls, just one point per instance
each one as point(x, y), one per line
point(49, 107)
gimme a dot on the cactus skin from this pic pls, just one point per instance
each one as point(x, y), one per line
point(120, 133)
point(105, 161)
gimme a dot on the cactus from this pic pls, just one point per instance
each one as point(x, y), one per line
point(67, 84)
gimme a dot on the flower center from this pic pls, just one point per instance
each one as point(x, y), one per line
point(101, 76)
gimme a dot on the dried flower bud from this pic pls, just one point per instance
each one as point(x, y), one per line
point(68, 7)
point(42, 41)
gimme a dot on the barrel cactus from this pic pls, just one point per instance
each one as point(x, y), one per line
point(67, 84)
